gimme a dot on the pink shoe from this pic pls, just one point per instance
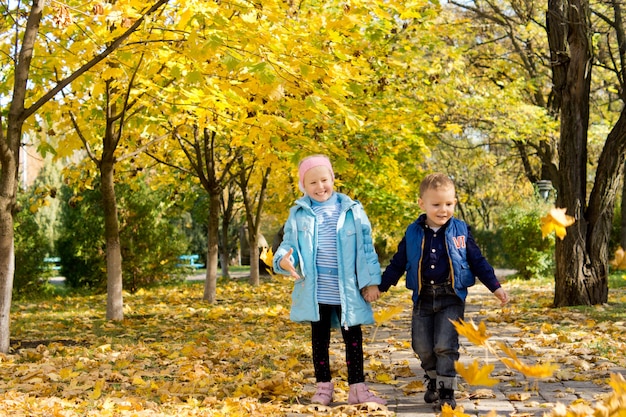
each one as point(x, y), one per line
point(359, 393)
point(324, 394)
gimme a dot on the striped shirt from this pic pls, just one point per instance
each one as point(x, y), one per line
point(326, 217)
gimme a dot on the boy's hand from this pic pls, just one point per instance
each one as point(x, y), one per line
point(501, 294)
point(286, 264)
point(370, 293)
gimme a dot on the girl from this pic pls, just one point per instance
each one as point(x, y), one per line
point(327, 247)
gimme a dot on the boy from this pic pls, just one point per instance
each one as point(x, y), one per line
point(441, 259)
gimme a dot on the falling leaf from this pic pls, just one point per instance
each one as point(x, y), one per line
point(474, 374)
point(475, 334)
point(267, 256)
point(620, 259)
point(556, 220)
point(385, 315)
point(536, 371)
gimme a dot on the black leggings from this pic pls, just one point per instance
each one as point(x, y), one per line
point(320, 342)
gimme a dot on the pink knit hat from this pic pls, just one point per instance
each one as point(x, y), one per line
point(312, 162)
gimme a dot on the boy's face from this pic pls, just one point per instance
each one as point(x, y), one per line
point(438, 203)
point(318, 183)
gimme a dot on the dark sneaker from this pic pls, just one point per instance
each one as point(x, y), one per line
point(431, 394)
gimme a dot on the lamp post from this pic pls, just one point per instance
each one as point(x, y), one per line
point(544, 187)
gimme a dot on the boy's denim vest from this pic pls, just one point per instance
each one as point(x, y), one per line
point(456, 238)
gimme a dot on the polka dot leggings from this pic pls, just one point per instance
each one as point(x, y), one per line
point(320, 341)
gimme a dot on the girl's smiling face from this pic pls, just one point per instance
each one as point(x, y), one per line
point(439, 204)
point(318, 183)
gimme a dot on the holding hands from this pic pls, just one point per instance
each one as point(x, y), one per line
point(370, 293)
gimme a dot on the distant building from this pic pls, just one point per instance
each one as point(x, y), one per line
point(31, 164)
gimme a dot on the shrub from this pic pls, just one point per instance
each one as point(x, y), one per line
point(527, 251)
point(150, 242)
point(30, 249)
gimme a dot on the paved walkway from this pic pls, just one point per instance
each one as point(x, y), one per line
point(514, 396)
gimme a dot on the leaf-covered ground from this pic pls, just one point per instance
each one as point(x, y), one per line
point(174, 355)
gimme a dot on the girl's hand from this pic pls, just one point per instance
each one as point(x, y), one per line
point(370, 293)
point(286, 264)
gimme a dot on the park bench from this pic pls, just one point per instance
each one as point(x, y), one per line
point(190, 262)
point(52, 262)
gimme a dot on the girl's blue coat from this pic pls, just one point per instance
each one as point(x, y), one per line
point(356, 257)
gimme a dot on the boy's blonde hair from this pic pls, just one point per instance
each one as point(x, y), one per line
point(435, 181)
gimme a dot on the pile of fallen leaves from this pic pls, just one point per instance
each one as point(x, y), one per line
point(175, 355)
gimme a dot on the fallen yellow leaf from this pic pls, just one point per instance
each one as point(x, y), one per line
point(518, 396)
point(97, 389)
point(447, 411)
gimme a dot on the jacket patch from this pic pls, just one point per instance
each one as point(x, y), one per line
point(459, 241)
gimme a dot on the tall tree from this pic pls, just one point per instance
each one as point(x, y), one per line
point(24, 102)
point(253, 203)
point(580, 65)
point(120, 104)
point(211, 162)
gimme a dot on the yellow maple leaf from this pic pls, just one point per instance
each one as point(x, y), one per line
point(384, 378)
point(383, 316)
point(97, 389)
point(447, 411)
point(474, 374)
point(475, 334)
point(267, 256)
point(619, 262)
point(556, 220)
point(535, 371)
point(618, 383)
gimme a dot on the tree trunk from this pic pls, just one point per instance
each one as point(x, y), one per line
point(253, 239)
point(253, 214)
point(8, 186)
point(115, 303)
point(580, 279)
point(227, 203)
point(210, 284)
point(622, 238)
point(10, 160)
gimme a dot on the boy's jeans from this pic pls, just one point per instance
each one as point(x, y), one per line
point(434, 338)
